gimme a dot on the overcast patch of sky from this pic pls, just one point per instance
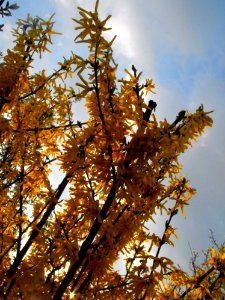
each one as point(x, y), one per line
point(181, 44)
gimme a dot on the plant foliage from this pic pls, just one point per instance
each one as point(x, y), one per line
point(118, 170)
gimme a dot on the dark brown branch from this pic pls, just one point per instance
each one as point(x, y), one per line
point(179, 118)
point(161, 243)
point(38, 228)
point(111, 287)
point(42, 85)
point(199, 280)
point(51, 127)
point(87, 243)
point(7, 185)
point(96, 247)
point(25, 230)
point(151, 107)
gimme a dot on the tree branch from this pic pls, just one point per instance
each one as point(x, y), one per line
point(38, 228)
point(87, 243)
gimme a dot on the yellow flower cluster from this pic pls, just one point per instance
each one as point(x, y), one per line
point(113, 174)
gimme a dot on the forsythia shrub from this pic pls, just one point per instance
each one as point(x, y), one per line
point(118, 169)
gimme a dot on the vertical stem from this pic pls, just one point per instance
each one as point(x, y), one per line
point(87, 243)
point(38, 228)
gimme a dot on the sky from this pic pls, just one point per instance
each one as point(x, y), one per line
point(180, 44)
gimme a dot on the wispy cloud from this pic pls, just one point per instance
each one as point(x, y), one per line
point(6, 39)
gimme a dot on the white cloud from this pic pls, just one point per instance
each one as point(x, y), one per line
point(6, 39)
point(64, 3)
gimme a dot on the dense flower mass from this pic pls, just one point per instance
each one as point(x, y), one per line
point(119, 169)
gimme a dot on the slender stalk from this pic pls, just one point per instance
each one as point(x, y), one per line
point(87, 243)
point(38, 228)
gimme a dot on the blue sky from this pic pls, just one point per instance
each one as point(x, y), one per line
point(181, 45)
